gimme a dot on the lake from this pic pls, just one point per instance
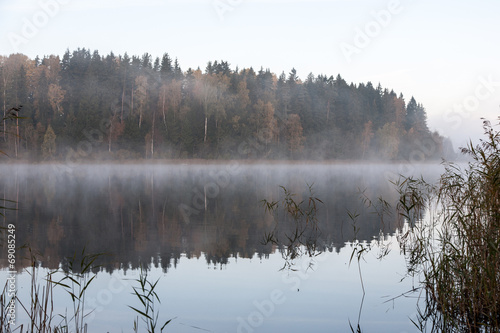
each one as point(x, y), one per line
point(201, 230)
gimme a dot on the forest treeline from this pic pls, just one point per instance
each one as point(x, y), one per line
point(88, 106)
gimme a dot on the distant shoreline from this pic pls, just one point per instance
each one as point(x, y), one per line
point(200, 161)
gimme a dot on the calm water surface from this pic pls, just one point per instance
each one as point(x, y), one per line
point(200, 229)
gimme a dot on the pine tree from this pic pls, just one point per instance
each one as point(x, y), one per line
point(166, 69)
point(411, 114)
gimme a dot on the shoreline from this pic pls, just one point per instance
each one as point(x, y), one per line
point(222, 162)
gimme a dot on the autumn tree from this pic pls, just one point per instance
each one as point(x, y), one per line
point(294, 137)
point(56, 97)
point(49, 144)
point(266, 124)
point(242, 95)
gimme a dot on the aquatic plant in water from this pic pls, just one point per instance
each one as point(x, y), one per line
point(148, 297)
point(297, 234)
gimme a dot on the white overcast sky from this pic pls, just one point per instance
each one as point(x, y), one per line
point(445, 53)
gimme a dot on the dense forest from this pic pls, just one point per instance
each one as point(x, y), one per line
point(88, 106)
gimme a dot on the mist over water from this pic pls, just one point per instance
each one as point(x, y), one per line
point(157, 211)
point(184, 217)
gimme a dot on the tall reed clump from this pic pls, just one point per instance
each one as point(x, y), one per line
point(77, 278)
point(39, 308)
point(457, 253)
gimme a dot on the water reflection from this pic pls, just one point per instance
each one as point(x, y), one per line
point(155, 213)
point(194, 217)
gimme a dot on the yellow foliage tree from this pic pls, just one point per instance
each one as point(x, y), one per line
point(56, 97)
point(49, 143)
point(294, 136)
